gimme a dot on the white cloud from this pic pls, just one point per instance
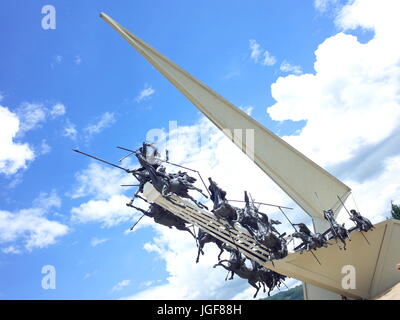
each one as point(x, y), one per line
point(120, 285)
point(204, 148)
point(95, 241)
point(13, 155)
point(70, 131)
point(186, 279)
point(324, 5)
point(373, 197)
point(12, 250)
point(352, 100)
point(268, 60)
point(145, 94)
point(352, 106)
point(57, 110)
point(46, 200)
point(31, 116)
point(350, 103)
point(256, 51)
point(30, 227)
point(106, 120)
point(289, 68)
point(100, 181)
point(78, 60)
point(44, 147)
point(108, 212)
point(89, 275)
point(107, 204)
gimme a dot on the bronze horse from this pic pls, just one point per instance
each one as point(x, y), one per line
point(168, 184)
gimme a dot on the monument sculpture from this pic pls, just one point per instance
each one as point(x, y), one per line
point(248, 234)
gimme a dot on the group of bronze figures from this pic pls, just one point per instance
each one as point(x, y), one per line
point(249, 219)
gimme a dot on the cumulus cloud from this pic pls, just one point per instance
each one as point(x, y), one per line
point(44, 147)
point(99, 181)
point(352, 100)
point(186, 279)
point(373, 196)
point(95, 241)
point(324, 5)
point(30, 228)
point(106, 120)
point(13, 155)
point(78, 60)
point(12, 250)
point(56, 60)
point(145, 94)
point(47, 200)
point(57, 110)
point(268, 59)
point(70, 131)
point(120, 285)
point(109, 212)
point(204, 148)
point(107, 204)
point(289, 68)
point(256, 52)
point(89, 274)
point(351, 104)
point(31, 116)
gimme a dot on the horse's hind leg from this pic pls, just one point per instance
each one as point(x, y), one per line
point(263, 284)
point(220, 253)
point(226, 278)
point(198, 253)
point(254, 284)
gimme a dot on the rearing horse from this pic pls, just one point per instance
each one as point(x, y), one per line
point(203, 238)
point(164, 217)
point(165, 184)
point(236, 265)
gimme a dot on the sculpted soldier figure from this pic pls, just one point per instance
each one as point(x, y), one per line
point(221, 207)
point(337, 231)
point(310, 240)
point(362, 223)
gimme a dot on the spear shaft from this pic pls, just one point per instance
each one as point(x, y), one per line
point(101, 160)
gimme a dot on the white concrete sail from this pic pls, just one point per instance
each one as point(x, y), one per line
point(309, 185)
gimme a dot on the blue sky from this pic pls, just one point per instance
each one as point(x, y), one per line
point(95, 78)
